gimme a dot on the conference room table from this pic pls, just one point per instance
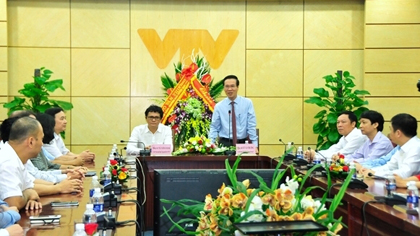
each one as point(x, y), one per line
point(381, 219)
point(70, 215)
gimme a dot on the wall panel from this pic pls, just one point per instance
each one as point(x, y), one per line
point(100, 72)
point(30, 23)
point(97, 23)
point(392, 36)
point(392, 60)
point(392, 11)
point(275, 25)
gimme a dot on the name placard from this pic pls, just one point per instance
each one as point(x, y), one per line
point(249, 148)
point(161, 150)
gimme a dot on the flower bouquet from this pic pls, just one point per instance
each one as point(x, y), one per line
point(339, 168)
point(238, 203)
point(190, 99)
point(199, 144)
point(118, 173)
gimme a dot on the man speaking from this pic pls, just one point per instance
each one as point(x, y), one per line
point(233, 118)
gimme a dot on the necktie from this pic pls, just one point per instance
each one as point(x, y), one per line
point(233, 124)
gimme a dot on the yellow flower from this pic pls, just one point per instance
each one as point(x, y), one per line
point(122, 176)
point(208, 203)
point(239, 200)
point(246, 183)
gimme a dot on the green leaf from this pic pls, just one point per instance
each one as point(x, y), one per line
point(40, 80)
point(321, 92)
point(315, 100)
point(332, 118)
point(346, 74)
point(361, 92)
point(52, 85)
point(216, 89)
point(64, 105)
point(320, 114)
point(333, 137)
point(167, 82)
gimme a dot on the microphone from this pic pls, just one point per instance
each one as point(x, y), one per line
point(283, 144)
point(230, 125)
point(143, 153)
point(230, 152)
point(317, 151)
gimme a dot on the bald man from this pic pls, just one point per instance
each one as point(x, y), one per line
point(17, 185)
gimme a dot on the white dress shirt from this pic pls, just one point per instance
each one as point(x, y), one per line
point(56, 147)
point(54, 176)
point(346, 145)
point(14, 178)
point(4, 232)
point(405, 162)
point(142, 135)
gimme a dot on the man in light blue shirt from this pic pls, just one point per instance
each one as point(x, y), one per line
point(377, 144)
point(221, 123)
point(378, 161)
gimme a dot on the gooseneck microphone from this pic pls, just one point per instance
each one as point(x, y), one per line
point(285, 146)
point(143, 152)
point(317, 151)
point(230, 125)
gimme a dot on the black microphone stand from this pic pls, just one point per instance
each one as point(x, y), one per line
point(229, 152)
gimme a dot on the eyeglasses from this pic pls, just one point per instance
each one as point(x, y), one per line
point(153, 117)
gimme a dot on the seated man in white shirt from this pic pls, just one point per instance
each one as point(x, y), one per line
point(377, 144)
point(16, 184)
point(406, 161)
point(154, 132)
point(58, 149)
point(351, 140)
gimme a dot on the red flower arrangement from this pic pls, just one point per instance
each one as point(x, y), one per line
point(117, 172)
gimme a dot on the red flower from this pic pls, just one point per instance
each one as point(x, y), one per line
point(341, 156)
point(103, 168)
point(206, 79)
point(178, 77)
point(114, 172)
point(200, 141)
point(172, 118)
point(188, 72)
point(331, 168)
point(169, 91)
point(124, 169)
point(113, 162)
point(345, 168)
point(174, 127)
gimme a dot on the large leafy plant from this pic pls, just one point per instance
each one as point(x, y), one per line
point(36, 94)
point(342, 98)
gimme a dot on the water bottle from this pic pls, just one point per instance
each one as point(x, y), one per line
point(353, 167)
point(107, 176)
point(98, 201)
point(94, 184)
point(89, 216)
point(299, 153)
point(329, 161)
point(412, 195)
point(80, 230)
point(289, 148)
point(317, 160)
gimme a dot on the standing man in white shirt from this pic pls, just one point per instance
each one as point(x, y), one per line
point(351, 140)
point(25, 142)
point(406, 161)
point(154, 132)
point(58, 149)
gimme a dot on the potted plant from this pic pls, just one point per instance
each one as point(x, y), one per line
point(342, 98)
point(36, 94)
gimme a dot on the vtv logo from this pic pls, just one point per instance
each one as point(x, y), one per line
point(187, 40)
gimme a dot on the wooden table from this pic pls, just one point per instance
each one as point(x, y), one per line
point(70, 215)
point(381, 218)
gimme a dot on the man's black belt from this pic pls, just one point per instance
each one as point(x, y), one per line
point(226, 140)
